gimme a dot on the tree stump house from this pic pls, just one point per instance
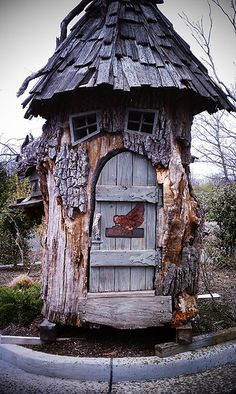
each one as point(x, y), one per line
point(122, 225)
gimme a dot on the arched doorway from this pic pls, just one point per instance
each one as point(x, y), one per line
point(123, 255)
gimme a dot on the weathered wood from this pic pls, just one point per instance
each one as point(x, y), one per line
point(152, 213)
point(129, 50)
point(129, 274)
point(123, 294)
point(125, 193)
point(71, 174)
point(215, 338)
point(156, 147)
point(171, 226)
point(28, 158)
point(138, 275)
point(124, 177)
point(107, 275)
point(132, 258)
point(184, 334)
point(126, 313)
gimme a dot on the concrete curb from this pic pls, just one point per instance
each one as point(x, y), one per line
point(118, 369)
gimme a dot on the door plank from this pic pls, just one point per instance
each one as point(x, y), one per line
point(124, 179)
point(133, 258)
point(138, 276)
point(128, 312)
point(127, 193)
point(151, 215)
point(123, 294)
point(108, 209)
point(94, 273)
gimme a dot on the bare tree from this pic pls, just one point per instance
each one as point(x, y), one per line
point(215, 135)
point(8, 152)
point(204, 39)
point(216, 143)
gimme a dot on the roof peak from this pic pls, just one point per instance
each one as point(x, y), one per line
point(81, 7)
point(130, 45)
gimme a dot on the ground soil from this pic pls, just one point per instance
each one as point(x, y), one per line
point(108, 342)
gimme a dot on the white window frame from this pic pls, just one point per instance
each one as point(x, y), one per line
point(84, 114)
point(141, 110)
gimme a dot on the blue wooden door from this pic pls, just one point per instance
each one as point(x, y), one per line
point(123, 255)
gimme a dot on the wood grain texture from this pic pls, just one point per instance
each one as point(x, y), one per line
point(134, 48)
point(124, 179)
point(173, 227)
point(127, 313)
point(71, 175)
point(132, 258)
point(107, 276)
point(126, 193)
point(123, 294)
point(198, 342)
point(138, 275)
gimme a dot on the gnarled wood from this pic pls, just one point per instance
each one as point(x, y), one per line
point(71, 175)
point(128, 312)
point(68, 177)
point(76, 11)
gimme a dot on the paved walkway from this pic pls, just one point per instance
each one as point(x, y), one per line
point(218, 380)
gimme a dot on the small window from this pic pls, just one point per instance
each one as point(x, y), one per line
point(83, 126)
point(142, 121)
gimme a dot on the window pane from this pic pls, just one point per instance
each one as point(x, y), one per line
point(133, 126)
point(134, 115)
point(148, 117)
point(79, 121)
point(92, 129)
point(84, 125)
point(78, 134)
point(91, 119)
point(147, 128)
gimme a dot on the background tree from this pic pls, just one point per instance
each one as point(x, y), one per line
point(214, 140)
point(8, 152)
point(214, 137)
point(215, 143)
point(14, 227)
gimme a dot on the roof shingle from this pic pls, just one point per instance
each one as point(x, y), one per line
point(131, 46)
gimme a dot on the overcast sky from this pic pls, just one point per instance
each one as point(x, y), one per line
point(28, 31)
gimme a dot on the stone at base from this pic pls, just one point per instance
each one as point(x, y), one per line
point(47, 331)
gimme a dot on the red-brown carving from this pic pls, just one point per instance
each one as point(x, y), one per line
point(132, 219)
point(120, 232)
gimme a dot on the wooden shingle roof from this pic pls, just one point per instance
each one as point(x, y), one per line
point(130, 45)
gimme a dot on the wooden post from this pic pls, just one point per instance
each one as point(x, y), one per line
point(184, 334)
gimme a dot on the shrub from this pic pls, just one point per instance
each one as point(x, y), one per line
point(219, 203)
point(21, 281)
point(214, 316)
point(223, 211)
point(19, 305)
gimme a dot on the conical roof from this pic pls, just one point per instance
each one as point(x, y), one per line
point(130, 45)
